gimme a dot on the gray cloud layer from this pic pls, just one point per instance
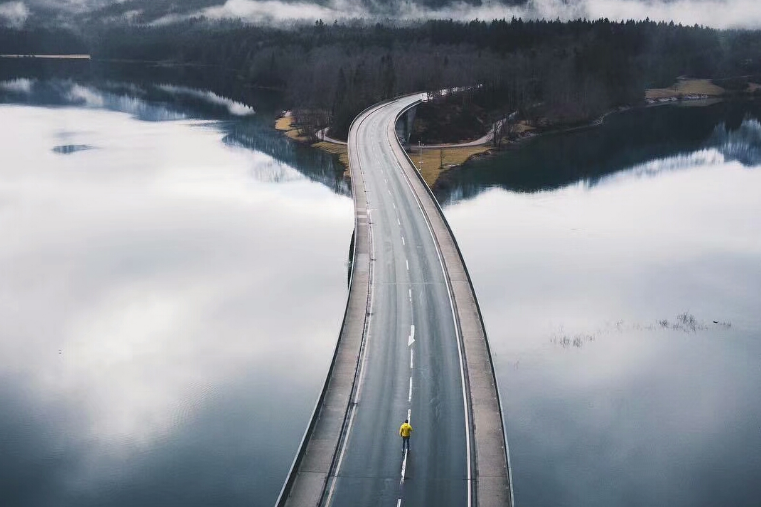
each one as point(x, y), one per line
point(715, 13)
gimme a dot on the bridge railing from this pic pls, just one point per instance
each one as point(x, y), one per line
point(292, 472)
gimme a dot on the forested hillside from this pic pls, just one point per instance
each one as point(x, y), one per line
point(559, 71)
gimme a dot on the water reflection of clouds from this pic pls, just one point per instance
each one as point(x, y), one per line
point(122, 97)
point(653, 168)
point(741, 145)
point(69, 93)
point(162, 272)
point(640, 416)
point(641, 420)
point(22, 86)
point(234, 107)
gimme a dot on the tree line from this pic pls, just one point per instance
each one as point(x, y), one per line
point(327, 72)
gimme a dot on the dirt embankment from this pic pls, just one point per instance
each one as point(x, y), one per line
point(286, 124)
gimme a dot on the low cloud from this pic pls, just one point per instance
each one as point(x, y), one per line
point(270, 10)
point(714, 13)
point(13, 14)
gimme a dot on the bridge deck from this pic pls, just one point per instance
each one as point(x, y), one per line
point(472, 468)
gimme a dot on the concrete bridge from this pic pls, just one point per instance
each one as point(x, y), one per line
point(412, 346)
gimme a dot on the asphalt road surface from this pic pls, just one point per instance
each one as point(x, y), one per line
point(412, 367)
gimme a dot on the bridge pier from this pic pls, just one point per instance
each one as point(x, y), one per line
point(404, 125)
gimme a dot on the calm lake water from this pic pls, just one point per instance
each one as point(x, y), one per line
point(619, 274)
point(174, 278)
point(173, 283)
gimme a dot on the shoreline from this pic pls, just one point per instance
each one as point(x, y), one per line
point(285, 124)
point(449, 157)
point(455, 156)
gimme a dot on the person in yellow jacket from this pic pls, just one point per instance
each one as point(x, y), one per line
point(405, 430)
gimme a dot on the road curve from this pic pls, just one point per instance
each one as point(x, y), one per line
point(421, 355)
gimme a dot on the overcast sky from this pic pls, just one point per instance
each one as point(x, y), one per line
point(715, 13)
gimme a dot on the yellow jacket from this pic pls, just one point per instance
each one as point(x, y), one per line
point(405, 429)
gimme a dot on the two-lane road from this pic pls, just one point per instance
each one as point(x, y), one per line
point(412, 365)
point(412, 346)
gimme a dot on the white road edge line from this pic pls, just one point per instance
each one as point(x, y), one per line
point(345, 442)
point(454, 318)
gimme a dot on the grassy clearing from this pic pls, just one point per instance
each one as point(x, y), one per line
point(285, 124)
point(686, 87)
point(436, 161)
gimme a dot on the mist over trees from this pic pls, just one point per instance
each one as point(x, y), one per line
point(53, 13)
point(546, 70)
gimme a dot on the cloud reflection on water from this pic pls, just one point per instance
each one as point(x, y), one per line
point(637, 143)
point(725, 145)
point(151, 103)
point(234, 107)
point(638, 416)
point(155, 300)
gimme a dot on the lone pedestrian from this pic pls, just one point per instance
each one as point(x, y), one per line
point(405, 430)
